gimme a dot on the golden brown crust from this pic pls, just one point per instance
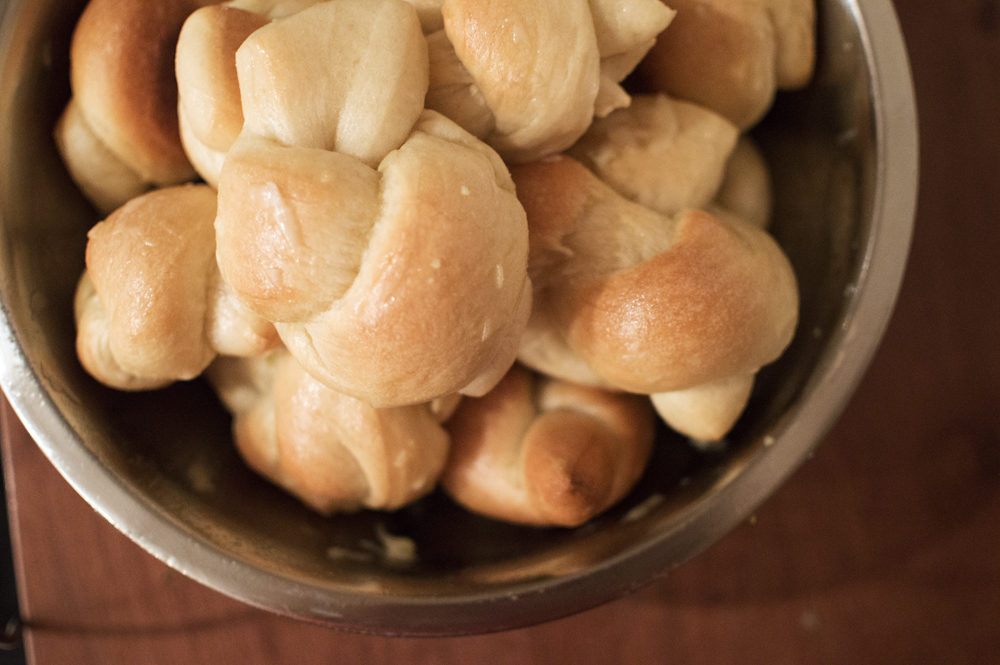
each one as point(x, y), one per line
point(536, 64)
point(292, 226)
point(543, 452)
point(719, 302)
point(649, 303)
point(332, 451)
point(528, 77)
point(732, 56)
point(122, 76)
point(104, 179)
point(149, 262)
point(151, 307)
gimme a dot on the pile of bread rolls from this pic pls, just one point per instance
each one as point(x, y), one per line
point(435, 243)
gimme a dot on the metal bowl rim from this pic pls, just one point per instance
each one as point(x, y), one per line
point(840, 370)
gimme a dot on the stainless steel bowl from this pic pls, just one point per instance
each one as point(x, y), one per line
point(161, 467)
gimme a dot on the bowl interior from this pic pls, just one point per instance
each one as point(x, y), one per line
point(161, 465)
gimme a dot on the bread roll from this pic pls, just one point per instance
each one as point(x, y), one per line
point(529, 77)
point(124, 89)
point(421, 265)
point(334, 452)
point(732, 55)
point(151, 307)
point(209, 108)
point(546, 452)
point(648, 303)
point(666, 154)
point(537, 66)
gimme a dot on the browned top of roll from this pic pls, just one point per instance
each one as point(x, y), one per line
point(732, 56)
point(536, 63)
point(150, 262)
point(546, 452)
point(652, 303)
point(122, 75)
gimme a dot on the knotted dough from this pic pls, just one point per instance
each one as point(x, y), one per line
point(385, 243)
point(151, 307)
point(119, 133)
point(528, 77)
point(631, 299)
point(733, 55)
point(334, 452)
point(546, 452)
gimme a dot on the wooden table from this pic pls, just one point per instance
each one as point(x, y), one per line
point(883, 548)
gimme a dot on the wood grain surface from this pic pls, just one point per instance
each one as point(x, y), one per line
point(883, 548)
